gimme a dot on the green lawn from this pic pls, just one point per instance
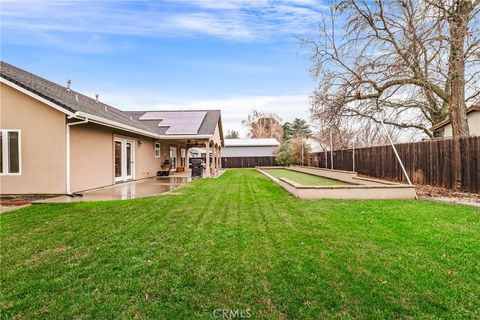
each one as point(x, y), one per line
point(240, 242)
point(303, 178)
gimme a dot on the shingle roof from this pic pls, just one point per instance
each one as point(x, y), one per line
point(207, 127)
point(64, 98)
point(74, 101)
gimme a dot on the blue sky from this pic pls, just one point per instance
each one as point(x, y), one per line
point(233, 55)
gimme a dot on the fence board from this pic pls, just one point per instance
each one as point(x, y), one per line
point(449, 163)
point(247, 162)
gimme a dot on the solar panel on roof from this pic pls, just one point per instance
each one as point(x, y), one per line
point(185, 122)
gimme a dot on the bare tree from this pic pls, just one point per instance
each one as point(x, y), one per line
point(362, 133)
point(341, 138)
point(264, 125)
point(408, 62)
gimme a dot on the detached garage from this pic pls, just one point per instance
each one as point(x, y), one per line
point(249, 153)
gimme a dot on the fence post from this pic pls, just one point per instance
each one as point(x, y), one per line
point(331, 149)
point(353, 157)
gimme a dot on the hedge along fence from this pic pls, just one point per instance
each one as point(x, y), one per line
point(449, 163)
point(248, 162)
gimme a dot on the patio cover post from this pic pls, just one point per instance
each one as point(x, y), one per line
point(219, 158)
point(187, 158)
point(207, 159)
point(214, 160)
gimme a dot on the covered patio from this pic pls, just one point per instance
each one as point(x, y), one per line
point(182, 131)
point(179, 154)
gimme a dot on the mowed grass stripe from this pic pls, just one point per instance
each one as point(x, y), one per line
point(240, 242)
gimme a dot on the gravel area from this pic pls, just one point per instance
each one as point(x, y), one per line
point(447, 195)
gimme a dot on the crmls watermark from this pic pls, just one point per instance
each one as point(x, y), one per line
point(232, 313)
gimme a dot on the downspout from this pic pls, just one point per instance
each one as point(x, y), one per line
point(69, 191)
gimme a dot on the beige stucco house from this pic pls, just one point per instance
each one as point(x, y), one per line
point(54, 140)
point(473, 117)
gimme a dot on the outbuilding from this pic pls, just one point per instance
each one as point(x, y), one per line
point(244, 153)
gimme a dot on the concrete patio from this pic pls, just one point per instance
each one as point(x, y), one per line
point(128, 190)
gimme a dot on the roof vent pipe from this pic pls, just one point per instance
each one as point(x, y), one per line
point(96, 97)
point(69, 85)
point(76, 97)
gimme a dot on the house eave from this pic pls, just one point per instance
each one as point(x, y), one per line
point(114, 124)
point(36, 96)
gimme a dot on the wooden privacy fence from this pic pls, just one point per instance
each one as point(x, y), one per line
point(449, 163)
point(247, 162)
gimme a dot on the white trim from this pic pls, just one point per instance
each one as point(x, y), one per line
point(155, 149)
point(114, 124)
point(183, 137)
point(67, 152)
point(124, 142)
point(5, 152)
point(36, 97)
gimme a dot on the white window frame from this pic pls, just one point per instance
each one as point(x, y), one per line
point(157, 147)
point(133, 163)
point(5, 153)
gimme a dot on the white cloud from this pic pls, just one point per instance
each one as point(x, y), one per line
point(228, 19)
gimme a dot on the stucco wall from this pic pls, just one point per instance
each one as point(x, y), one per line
point(147, 165)
point(92, 156)
point(42, 144)
point(216, 136)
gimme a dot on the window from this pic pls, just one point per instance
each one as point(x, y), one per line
point(10, 160)
point(157, 150)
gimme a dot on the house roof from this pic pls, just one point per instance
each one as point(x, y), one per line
point(256, 142)
point(207, 125)
point(74, 102)
point(70, 100)
point(443, 123)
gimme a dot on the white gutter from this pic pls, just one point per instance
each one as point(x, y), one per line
point(182, 137)
point(117, 125)
point(69, 191)
point(114, 124)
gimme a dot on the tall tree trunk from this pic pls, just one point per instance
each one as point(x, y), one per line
point(458, 22)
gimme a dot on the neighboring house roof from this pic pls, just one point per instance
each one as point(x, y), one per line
point(256, 142)
point(443, 123)
point(172, 123)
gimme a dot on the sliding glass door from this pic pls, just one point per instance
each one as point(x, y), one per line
point(124, 159)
